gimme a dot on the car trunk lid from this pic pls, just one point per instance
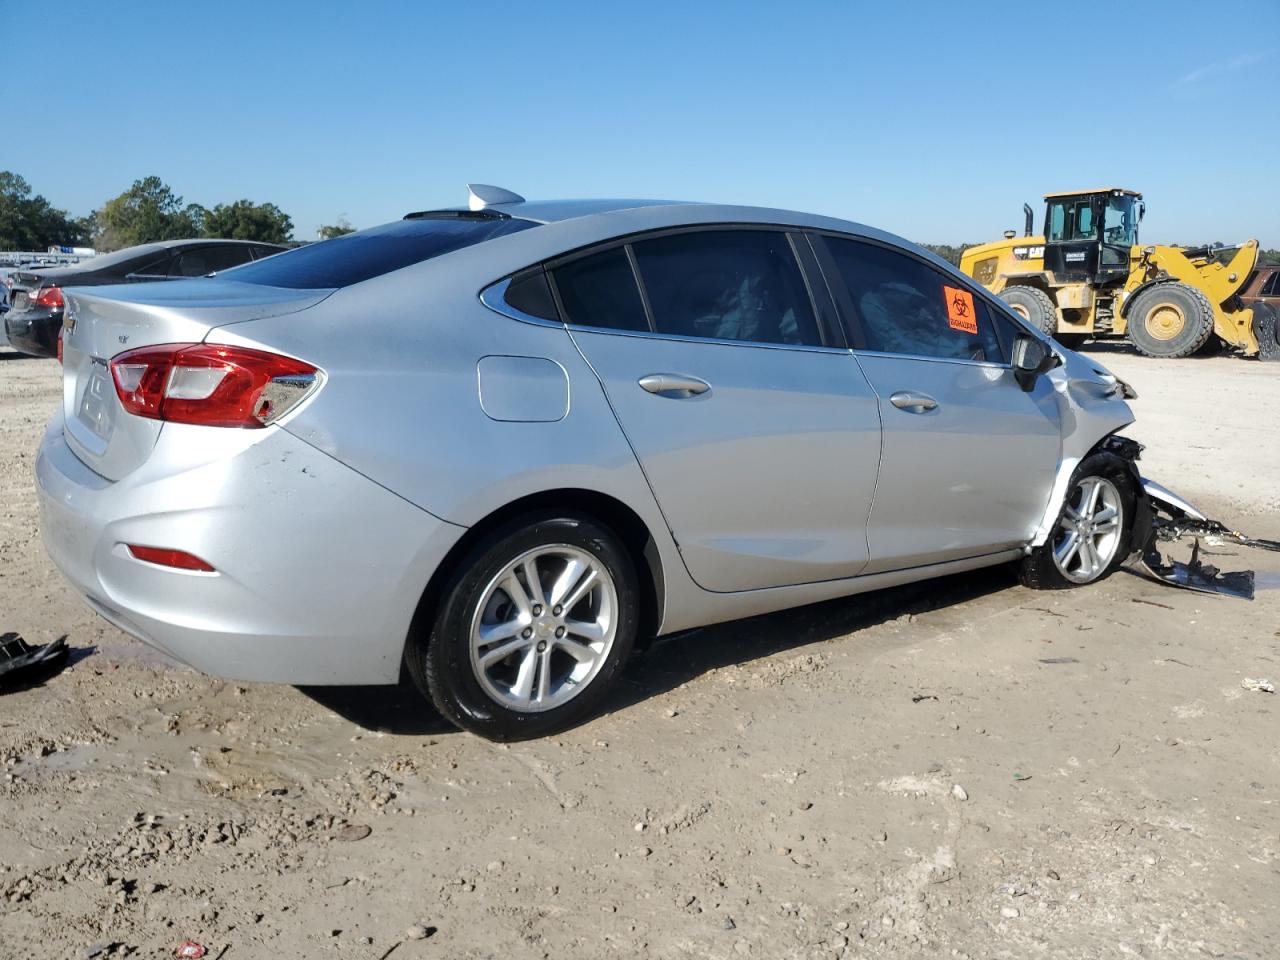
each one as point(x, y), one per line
point(105, 321)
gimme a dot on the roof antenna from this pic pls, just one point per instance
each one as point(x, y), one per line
point(481, 195)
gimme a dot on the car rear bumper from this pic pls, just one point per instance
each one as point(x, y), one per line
point(34, 330)
point(318, 569)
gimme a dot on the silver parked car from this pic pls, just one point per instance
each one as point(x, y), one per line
point(499, 444)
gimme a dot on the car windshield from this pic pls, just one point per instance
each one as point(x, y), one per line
point(354, 257)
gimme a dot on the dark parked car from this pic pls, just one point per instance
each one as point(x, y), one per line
point(35, 300)
point(1263, 286)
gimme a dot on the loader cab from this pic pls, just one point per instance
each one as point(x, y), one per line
point(1088, 235)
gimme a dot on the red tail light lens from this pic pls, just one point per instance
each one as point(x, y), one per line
point(210, 385)
point(47, 297)
point(169, 558)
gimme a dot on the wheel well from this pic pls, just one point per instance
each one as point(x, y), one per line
point(620, 518)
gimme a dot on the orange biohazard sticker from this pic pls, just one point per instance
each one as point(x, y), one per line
point(960, 313)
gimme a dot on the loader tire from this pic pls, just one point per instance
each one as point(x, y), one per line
point(1266, 328)
point(1170, 320)
point(1034, 306)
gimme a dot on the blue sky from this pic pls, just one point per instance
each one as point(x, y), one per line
point(934, 120)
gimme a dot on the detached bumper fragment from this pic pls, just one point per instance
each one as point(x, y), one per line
point(1173, 519)
point(20, 662)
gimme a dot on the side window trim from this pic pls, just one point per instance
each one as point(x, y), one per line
point(830, 330)
point(639, 282)
point(853, 322)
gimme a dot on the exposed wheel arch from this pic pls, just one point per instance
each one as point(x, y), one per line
point(624, 521)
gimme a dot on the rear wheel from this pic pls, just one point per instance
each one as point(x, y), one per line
point(1170, 320)
point(1034, 306)
point(533, 629)
point(1094, 531)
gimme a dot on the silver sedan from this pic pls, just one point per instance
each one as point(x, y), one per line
point(499, 444)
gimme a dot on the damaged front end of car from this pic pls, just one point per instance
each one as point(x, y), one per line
point(1164, 518)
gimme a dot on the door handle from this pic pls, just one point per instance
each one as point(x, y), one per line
point(913, 402)
point(674, 385)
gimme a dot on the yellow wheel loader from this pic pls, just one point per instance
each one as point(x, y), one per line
point(1086, 276)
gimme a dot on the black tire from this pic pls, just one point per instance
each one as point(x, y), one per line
point(440, 661)
point(1170, 320)
point(1038, 570)
point(1266, 328)
point(1033, 305)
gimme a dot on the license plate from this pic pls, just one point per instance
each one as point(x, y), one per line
point(97, 406)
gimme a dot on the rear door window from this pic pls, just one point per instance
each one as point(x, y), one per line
point(904, 306)
point(600, 290)
point(360, 256)
point(727, 285)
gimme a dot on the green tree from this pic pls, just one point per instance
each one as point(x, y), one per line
point(1269, 256)
point(341, 228)
point(30, 222)
point(146, 212)
point(246, 220)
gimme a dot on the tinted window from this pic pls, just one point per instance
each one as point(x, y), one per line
point(350, 259)
point(152, 267)
point(202, 261)
point(127, 260)
point(908, 307)
point(727, 285)
point(600, 291)
point(1272, 287)
point(261, 253)
point(530, 293)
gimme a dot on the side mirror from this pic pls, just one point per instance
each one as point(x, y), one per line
point(1031, 358)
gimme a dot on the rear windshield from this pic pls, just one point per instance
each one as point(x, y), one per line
point(349, 259)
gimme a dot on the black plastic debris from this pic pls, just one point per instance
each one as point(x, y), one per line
point(1195, 574)
point(21, 663)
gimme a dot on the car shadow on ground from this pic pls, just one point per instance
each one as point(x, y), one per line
point(672, 661)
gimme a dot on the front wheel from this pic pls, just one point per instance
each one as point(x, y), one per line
point(533, 629)
point(1170, 320)
point(1094, 532)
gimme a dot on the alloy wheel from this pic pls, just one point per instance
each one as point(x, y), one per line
point(1090, 530)
point(544, 628)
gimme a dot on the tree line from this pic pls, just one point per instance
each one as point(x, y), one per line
point(148, 211)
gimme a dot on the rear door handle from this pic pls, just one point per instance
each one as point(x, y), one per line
point(675, 386)
point(913, 402)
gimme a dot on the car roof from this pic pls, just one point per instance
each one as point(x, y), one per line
point(569, 225)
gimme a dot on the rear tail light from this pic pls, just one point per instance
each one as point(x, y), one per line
point(47, 297)
point(211, 385)
point(169, 558)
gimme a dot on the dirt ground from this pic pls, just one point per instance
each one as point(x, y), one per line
point(963, 768)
